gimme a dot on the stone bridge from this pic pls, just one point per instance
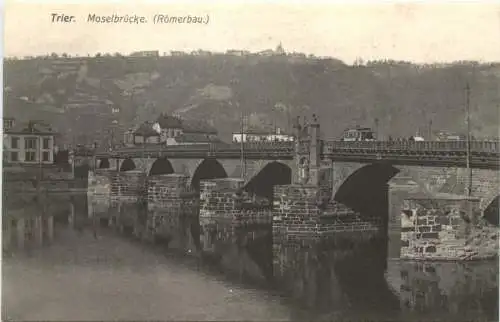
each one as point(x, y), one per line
point(315, 189)
point(351, 172)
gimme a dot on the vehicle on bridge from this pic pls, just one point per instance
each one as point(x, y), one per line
point(449, 136)
point(417, 138)
point(358, 134)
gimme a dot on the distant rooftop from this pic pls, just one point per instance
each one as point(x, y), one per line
point(35, 127)
point(264, 131)
point(189, 126)
point(146, 130)
point(169, 122)
point(196, 138)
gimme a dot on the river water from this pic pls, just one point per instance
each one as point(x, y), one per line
point(104, 263)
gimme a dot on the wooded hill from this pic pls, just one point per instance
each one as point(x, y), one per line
point(402, 98)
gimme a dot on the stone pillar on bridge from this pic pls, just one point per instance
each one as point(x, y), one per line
point(314, 152)
point(307, 153)
point(301, 154)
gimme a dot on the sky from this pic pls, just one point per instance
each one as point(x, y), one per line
point(418, 32)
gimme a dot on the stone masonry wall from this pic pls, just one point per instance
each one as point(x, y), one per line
point(129, 185)
point(165, 189)
point(169, 201)
point(453, 180)
point(446, 229)
point(302, 211)
point(222, 198)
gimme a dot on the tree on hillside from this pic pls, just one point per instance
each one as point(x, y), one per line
point(54, 55)
point(359, 62)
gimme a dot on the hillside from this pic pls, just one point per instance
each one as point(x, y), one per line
point(403, 97)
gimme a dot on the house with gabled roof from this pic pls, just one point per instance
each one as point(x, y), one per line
point(172, 130)
point(30, 142)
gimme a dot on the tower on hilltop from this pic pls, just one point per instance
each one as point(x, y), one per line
point(279, 49)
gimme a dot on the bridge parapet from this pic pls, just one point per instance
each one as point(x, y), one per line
point(478, 147)
point(201, 150)
point(288, 149)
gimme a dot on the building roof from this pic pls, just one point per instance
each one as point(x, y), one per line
point(196, 138)
point(188, 126)
point(169, 122)
point(32, 127)
point(146, 130)
point(260, 131)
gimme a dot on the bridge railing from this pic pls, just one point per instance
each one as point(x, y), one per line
point(248, 147)
point(328, 147)
point(422, 146)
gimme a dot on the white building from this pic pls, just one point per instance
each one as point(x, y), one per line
point(171, 130)
point(30, 143)
point(262, 136)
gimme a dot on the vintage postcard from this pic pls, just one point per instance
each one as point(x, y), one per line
point(250, 161)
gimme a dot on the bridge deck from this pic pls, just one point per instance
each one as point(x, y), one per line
point(442, 153)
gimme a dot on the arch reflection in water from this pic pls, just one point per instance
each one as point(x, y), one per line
point(239, 249)
point(331, 279)
point(175, 228)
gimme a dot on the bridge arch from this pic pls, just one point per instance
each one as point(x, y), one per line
point(127, 165)
point(490, 213)
point(366, 189)
point(161, 166)
point(274, 173)
point(207, 169)
point(104, 163)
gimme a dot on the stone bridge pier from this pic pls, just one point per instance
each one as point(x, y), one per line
point(308, 197)
point(347, 218)
point(387, 189)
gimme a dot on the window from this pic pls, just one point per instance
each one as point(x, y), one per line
point(14, 143)
point(14, 156)
point(45, 156)
point(29, 156)
point(7, 124)
point(30, 143)
point(46, 143)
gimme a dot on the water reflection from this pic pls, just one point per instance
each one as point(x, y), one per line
point(450, 289)
point(239, 249)
point(329, 279)
point(335, 281)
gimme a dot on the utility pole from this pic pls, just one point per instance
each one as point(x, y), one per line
point(94, 157)
point(242, 146)
point(469, 169)
point(40, 167)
